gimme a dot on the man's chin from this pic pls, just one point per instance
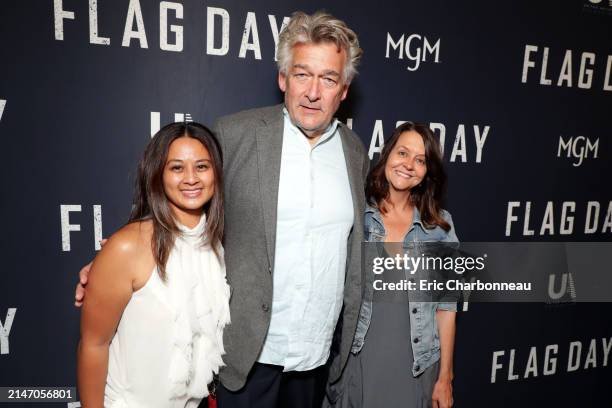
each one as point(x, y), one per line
point(311, 128)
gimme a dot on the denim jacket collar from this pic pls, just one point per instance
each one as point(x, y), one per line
point(377, 216)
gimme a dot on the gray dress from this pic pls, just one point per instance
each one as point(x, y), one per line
point(380, 375)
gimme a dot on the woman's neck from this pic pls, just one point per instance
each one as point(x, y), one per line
point(398, 200)
point(188, 219)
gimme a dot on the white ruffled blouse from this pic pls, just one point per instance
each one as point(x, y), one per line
point(169, 341)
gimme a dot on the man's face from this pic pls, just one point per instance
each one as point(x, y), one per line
point(314, 86)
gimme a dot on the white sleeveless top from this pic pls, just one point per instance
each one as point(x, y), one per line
point(170, 337)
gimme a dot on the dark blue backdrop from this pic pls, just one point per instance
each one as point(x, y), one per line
point(75, 116)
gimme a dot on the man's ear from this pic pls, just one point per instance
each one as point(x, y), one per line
point(282, 81)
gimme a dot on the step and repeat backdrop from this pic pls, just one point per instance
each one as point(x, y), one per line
point(519, 93)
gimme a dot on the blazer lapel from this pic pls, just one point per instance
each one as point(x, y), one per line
point(269, 136)
point(354, 163)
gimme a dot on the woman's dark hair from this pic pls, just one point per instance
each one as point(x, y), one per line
point(428, 195)
point(150, 201)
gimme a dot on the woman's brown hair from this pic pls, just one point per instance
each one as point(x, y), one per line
point(428, 195)
point(150, 201)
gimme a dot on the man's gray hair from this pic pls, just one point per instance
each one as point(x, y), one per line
point(319, 28)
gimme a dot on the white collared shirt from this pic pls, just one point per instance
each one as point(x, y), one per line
point(314, 219)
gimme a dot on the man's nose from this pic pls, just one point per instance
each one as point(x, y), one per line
point(314, 91)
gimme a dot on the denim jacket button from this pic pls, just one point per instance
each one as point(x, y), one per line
point(414, 310)
point(416, 340)
point(417, 368)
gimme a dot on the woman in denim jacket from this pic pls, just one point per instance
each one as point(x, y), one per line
point(406, 359)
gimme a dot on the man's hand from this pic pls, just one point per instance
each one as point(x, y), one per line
point(442, 396)
point(79, 293)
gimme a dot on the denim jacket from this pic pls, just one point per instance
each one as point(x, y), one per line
point(423, 324)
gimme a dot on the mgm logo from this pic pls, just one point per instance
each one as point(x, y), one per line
point(578, 148)
point(415, 48)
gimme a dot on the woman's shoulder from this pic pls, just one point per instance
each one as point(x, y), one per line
point(451, 235)
point(128, 248)
point(132, 238)
point(123, 263)
point(446, 215)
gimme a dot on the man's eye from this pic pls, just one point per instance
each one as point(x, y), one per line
point(329, 81)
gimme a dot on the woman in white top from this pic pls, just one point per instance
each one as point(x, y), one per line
point(157, 299)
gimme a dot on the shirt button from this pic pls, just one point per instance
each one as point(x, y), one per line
point(265, 307)
point(414, 310)
point(416, 340)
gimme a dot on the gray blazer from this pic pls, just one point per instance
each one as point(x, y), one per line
point(251, 142)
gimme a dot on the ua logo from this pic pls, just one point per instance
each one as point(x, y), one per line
point(178, 117)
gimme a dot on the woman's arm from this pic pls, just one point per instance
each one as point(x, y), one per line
point(108, 292)
point(443, 389)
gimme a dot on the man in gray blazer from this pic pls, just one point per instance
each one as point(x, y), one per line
point(294, 180)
